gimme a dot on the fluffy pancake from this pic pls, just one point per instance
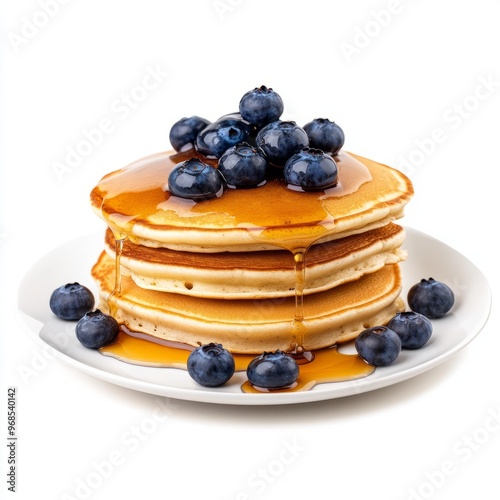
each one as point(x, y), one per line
point(135, 203)
point(264, 274)
point(253, 326)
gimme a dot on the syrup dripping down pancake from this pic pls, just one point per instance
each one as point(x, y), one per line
point(253, 326)
point(265, 274)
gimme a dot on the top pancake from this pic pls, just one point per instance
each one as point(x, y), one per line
point(136, 204)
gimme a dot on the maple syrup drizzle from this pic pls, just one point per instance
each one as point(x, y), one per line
point(117, 290)
point(299, 327)
point(299, 257)
point(324, 365)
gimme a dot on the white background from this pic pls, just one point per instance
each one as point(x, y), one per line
point(415, 82)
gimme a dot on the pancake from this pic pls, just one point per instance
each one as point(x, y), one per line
point(252, 326)
point(264, 274)
point(136, 204)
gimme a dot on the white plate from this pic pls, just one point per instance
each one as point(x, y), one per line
point(428, 257)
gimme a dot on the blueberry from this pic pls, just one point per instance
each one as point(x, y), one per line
point(280, 140)
point(220, 135)
point(272, 370)
point(210, 365)
point(195, 180)
point(414, 329)
point(431, 298)
point(97, 329)
point(324, 134)
point(311, 169)
point(183, 132)
point(261, 106)
point(243, 166)
point(71, 301)
point(378, 346)
point(252, 128)
point(234, 116)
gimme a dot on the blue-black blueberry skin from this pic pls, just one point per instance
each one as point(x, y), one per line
point(96, 329)
point(243, 166)
point(253, 129)
point(236, 115)
point(184, 132)
point(414, 329)
point(195, 180)
point(211, 365)
point(71, 301)
point(311, 169)
point(378, 346)
point(279, 140)
point(273, 370)
point(325, 135)
point(261, 106)
point(220, 135)
point(431, 298)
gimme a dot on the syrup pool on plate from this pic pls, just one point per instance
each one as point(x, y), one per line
point(328, 365)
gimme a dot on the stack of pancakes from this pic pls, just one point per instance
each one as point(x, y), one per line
point(224, 270)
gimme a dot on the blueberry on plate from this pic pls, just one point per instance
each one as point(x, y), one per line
point(195, 180)
point(280, 140)
point(243, 166)
point(261, 106)
point(184, 132)
point(71, 301)
point(211, 365)
point(324, 134)
point(431, 298)
point(97, 329)
point(220, 135)
point(378, 346)
point(414, 329)
point(273, 370)
point(311, 169)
